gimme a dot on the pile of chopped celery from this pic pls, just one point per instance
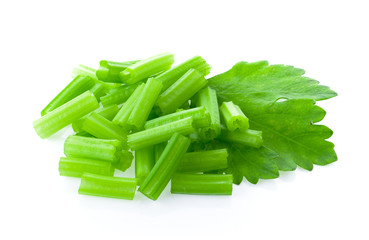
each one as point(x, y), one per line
point(160, 116)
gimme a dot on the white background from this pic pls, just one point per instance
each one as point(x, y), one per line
point(41, 41)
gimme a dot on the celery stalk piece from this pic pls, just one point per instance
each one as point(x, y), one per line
point(152, 136)
point(233, 116)
point(158, 150)
point(204, 184)
point(159, 176)
point(107, 112)
point(201, 118)
point(118, 95)
point(75, 167)
point(207, 97)
point(99, 149)
point(107, 186)
point(109, 70)
point(125, 111)
point(76, 87)
point(101, 127)
point(247, 137)
point(181, 91)
point(144, 162)
point(204, 161)
point(91, 72)
point(144, 104)
point(98, 90)
point(172, 75)
point(146, 68)
point(64, 115)
point(125, 158)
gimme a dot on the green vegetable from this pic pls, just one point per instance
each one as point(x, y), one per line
point(64, 115)
point(207, 97)
point(75, 167)
point(107, 112)
point(144, 162)
point(181, 91)
point(172, 75)
point(101, 127)
point(109, 70)
point(76, 87)
point(99, 149)
point(159, 176)
point(144, 103)
point(204, 161)
point(98, 90)
point(106, 186)
point(152, 136)
point(200, 116)
point(124, 160)
point(290, 134)
point(206, 184)
point(158, 150)
point(91, 72)
point(233, 116)
point(251, 138)
point(146, 68)
point(118, 95)
point(122, 116)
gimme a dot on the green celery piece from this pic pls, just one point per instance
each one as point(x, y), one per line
point(204, 184)
point(109, 70)
point(181, 91)
point(160, 175)
point(248, 137)
point(98, 90)
point(144, 162)
point(207, 97)
point(125, 158)
point(66, 114)
point(118, 95)
point(125, 111)
point(233, 116)
point(91, 72)
point(107, 186)
point(99, 149)
point(172, 75)
point(101, 127)
point(152, 136)
point(144, 104)
point(107, 112)
point(200, 116)
point(146, 68)
point(76, 87)
point(75, 167)
point(204, 161)
point(158, 150)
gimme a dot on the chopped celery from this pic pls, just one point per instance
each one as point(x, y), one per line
point(98, 90)
point(144, 103)
point(207, 97)
point(75, 167)
point(107, 186)
point(66, 114)
point(158, 150)
point(201, 118)
point(146, 68)
point(205, 184)
point(144, 162)
point(152, 136)
point(125, 111)
point(107, 112)
point(204, 161)
point(247, 137)
point(159, 176)
point(172, 75)
point(181, 91)
point(109, 70)
point(101, 127)
point(99, 149)
point(76, 87)
point(118, 95)
point(233, 116)
point(125, 160)
point(91, 72)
